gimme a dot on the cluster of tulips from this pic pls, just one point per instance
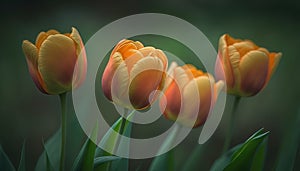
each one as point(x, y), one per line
point(135, 74)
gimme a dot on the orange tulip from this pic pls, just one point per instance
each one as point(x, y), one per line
point(246, 67)
point(133, 73)
point(190, 94)
point(52, 59)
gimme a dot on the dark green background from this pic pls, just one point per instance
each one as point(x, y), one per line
point(28, 114)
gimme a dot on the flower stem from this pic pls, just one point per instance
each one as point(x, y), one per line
point(116, 147)
point(63, 102)
point(121, 129)
point(230, 127)
point(123, 121)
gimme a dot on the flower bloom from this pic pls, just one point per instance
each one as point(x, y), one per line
point(246, 67)
point(189, 96)
point(133, 74)
point(52, 59)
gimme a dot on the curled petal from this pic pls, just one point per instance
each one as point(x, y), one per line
point(31, 53)
point(81, 64)
point(77, 39)
point(121, 43)
point(56, 62)
point(223, 60)
point(274, 59)
point(125, 49)
point(254, 72)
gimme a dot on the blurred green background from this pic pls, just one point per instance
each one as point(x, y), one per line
point(28, 114)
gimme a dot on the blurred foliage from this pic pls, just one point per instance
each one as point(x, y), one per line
point(26, 113)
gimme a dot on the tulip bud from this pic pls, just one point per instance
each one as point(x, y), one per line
point(191, 94)
point(246, 67)
point(133, 74)
point(52, 59)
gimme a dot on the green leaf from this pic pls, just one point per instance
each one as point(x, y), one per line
point(22, 165)
point(49, 166)
point(223, 161)
point(5, 163)
point(260, 155)
point(52, 147)
point(105, 159)
point(290, 144)
point(123, 164)
point(165, 161)
point(247, 156)
point(111, 140)
point(85, 158)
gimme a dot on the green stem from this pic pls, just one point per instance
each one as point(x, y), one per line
point(230, 127)
point(63, 102)
point(121, 131)
point(123, 121)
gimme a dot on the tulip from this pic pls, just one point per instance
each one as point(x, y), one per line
point(52, 59)
point(246, 67)
point(133, 74)
point(190, 94)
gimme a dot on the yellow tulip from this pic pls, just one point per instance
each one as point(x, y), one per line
point(133, 73)
point(52, 59)
point(186, 85)
point(246, 66)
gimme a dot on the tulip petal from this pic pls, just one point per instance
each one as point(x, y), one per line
point(223, 58)
point(138, 44)
point(56, 62)
point(170, 74)
point(217, 89)
point(43, 36)
point(133, 59)
point(172, 101)
point(77, 39)
point(244, 47)
point(126, 50)
point(234, 58)
point(181, 77)
point(31, 53)
point(161, 55)
point(119, 86)
point(52, 32)
point(229, 40)
point(81, 65)
point(145, 77)
point(40, 39)
point(108, 74)
point(198, 95)
point(254, 72)
point(274, 59)
point(147, 51)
